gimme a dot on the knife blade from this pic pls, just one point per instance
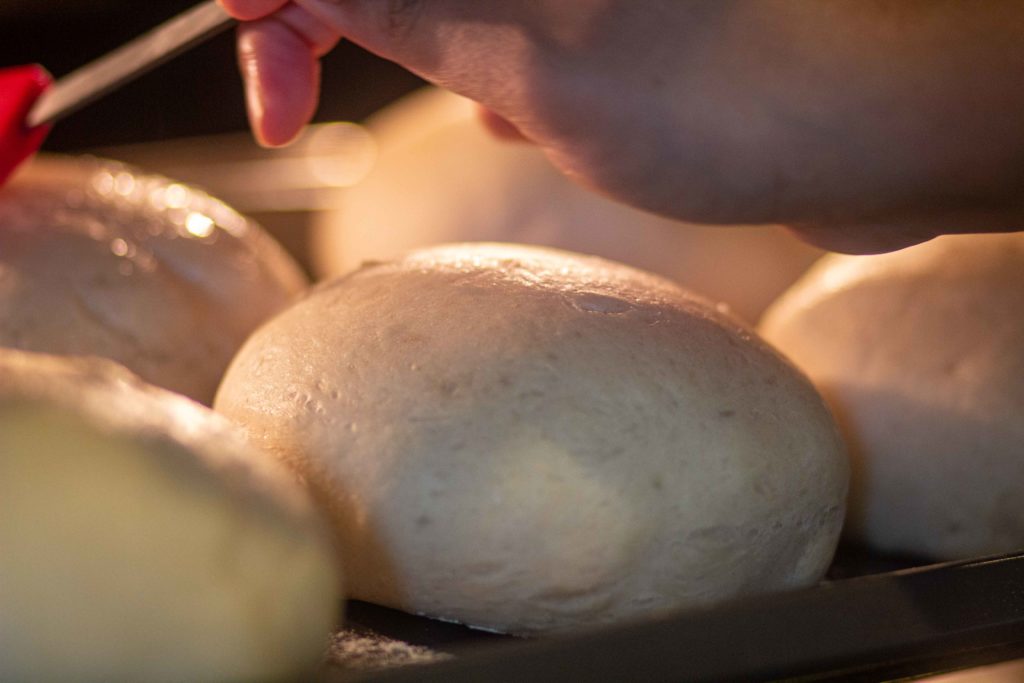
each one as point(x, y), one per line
point(94, 80)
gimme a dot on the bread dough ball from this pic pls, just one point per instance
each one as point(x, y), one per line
point(527, 440)
point(920, 353)
point(143, 540)
point(441, 177)
point(97, 259)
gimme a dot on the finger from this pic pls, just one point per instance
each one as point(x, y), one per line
point(862, 239)
point(247, 10)
point(499, 126)
point(282, 80)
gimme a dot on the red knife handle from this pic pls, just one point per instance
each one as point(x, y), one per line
point(20, 86)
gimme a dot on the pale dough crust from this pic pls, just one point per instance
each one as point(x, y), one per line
point(527, 440)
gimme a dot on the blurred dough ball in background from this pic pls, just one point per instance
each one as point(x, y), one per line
point(921, 353)
point(142, 539)
point(440, 176)
point(97, 259)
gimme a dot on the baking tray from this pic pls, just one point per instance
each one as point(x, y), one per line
point(856, 626)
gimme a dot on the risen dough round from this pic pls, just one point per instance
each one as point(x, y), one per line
point(921, 353)
point(142, 540)
point(527, 440)
point(440, 177)
point(96, 259)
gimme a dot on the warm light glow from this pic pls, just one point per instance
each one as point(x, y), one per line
point(124, 183)
point(176, 196)
point(339, 154)
point(103, 183)
point(119, 247)
point(224, 217)
point(199, 225)
point(156, 197)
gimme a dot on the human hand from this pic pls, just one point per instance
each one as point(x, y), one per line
point(867, 125)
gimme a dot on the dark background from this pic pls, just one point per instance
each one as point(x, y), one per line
point(198, 93)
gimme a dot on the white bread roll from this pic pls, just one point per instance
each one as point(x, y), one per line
point(921, 353)
point(527, 440)
point(97, 259)
point(441, 177)
point(141, 539)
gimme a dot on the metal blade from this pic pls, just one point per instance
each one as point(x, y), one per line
point(94, 80)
